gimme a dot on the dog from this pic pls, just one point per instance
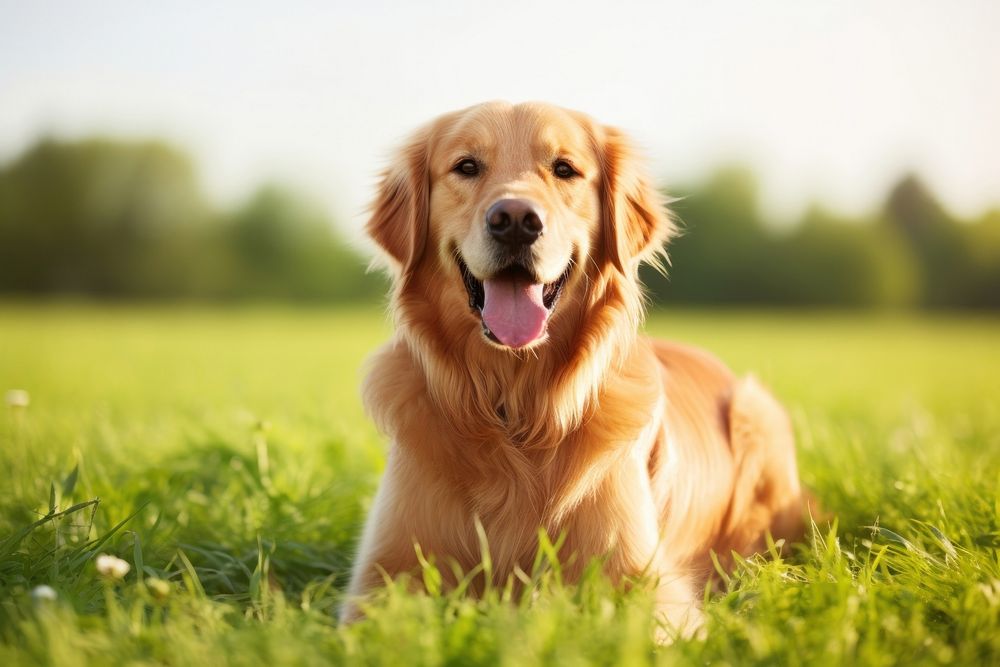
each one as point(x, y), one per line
point(517, 392)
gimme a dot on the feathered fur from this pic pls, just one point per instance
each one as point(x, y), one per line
point(646, 453)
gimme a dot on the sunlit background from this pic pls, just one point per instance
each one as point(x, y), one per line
point(185, 311)
point(827, 155)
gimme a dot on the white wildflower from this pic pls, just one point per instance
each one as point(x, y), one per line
point(42, 594)
point(159, 588)
point(17, 398)
point(112, 566)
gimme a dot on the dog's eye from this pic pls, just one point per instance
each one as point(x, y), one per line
point(564, 169)
point(466, 167)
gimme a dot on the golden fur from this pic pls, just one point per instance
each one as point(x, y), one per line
point(646, 453)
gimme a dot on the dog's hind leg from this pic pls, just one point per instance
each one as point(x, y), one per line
point(767, 495)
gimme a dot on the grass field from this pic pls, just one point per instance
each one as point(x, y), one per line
point(225, 456)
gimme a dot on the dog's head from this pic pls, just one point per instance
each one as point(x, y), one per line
point(510, 207)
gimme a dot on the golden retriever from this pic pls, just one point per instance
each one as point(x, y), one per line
point(517, 391)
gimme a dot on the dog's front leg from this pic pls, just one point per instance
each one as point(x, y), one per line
point(382, 548)
point(639, 551)
point(404, 513)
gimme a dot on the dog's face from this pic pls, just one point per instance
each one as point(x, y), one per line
point(513, 205)
point(515, 201)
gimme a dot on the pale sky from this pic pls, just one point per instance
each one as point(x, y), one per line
point(826, 100)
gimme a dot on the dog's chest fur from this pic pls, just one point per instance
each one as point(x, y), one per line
point(513, 472)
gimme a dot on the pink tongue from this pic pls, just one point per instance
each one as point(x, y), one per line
point(513, 310)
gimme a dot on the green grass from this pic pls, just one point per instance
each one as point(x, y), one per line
point(231, 459)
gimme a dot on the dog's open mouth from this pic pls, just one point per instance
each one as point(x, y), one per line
point(513, 306)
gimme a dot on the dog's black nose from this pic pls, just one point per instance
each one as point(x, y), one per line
point(514, 222)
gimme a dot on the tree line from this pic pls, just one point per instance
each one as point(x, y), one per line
point(909, 252)
point(118, 219)
point(129, 220)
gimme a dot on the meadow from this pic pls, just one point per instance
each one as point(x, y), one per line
point(224, 454)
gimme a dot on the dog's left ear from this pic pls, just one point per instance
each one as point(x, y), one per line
point(636, 224)
point(399, 214)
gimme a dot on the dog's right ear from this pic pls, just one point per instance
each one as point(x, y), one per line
point(400, 212)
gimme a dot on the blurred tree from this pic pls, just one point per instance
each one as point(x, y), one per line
point(935, 239)
point(831, 261)
point(982, 241)
point(726, 254)
point(127, 219)
point(284, 248)
point(717, 256)
point(99, 217)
